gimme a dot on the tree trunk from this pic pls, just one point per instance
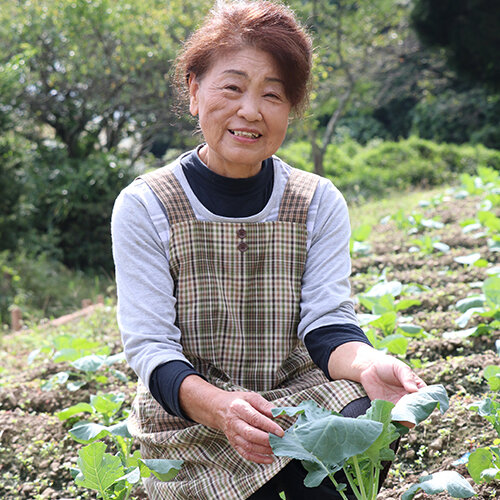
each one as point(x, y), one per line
point(317, 154)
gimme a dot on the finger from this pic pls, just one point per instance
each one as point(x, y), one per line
point(254, 418)
point(253, 436)
point(258, 458)
point(414, 383)
point(252, 447)
point(408, 379)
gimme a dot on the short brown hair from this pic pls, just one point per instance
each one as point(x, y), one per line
point(261, 24)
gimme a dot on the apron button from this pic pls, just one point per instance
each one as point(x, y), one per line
point(242, 247)
point(241, 233)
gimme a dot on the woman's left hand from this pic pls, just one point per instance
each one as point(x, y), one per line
point(382, 376)
point(389, 378)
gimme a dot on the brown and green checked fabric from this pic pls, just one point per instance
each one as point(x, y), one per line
point(238, 288)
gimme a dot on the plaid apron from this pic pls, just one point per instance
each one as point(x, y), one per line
point(238, 288)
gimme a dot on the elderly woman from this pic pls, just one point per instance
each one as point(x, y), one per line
point(232, 272)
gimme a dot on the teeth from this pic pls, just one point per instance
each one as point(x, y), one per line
point(241, 133)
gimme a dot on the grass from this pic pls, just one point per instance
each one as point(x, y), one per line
point(372, 212)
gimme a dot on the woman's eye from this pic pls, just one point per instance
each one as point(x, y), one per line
point(273, 96)
point(233, 88)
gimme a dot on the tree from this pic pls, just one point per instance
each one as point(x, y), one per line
point(468, 31)
point(93, 71)
point(354, 39)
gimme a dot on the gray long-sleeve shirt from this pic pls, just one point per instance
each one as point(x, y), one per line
point(146, 304)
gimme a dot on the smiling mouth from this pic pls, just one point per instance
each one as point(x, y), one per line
point(242, 133)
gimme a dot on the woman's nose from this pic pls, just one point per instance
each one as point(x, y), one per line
point(250, 108)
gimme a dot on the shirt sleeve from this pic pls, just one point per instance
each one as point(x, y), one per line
point(326, 290)
point(165, 382)
point(146, 303)
point(322, 341)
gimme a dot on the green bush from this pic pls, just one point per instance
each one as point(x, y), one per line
point(363, 172)
point(459, 117)
point(15, 154)
point(74, 200)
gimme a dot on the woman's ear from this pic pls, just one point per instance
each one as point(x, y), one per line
point(194, 86)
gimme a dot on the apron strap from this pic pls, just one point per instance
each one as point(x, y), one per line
point(297, 197)
point(169, 191)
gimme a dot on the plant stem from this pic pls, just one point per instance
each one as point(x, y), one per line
point(332, 479)
point(376, 480)
point(359, 476)
point(352, 484)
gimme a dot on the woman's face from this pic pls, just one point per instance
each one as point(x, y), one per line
point(242, 109)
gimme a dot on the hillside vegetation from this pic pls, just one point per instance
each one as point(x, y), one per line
point(426, 279)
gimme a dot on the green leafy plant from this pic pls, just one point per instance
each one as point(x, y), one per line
point(68, 347)
point(381, 301)
point(484, 463)
point(90, 359)
point(327, 442)
point(358, 244)
point(444, 481)
point(91, 368)
point(486, 305)
point(112, 476)
point(427, 245)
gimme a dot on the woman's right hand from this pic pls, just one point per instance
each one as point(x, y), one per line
point(244, 417)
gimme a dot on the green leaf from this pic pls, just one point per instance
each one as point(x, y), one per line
point(491, 290)
point(460, 334)
point(410, 329)
point(327, 441)
point(115, 358)
point(384, 304)
point(87, 432)
point(360, 248)
point(132, 477)
point(90, 363)
point(366, 319)
point(164, 470)
point(98, 470)
point(308, 408)
point(417, 406)
point(474, 301)
point(122, 377)
point(481, 460)
point(361, 233)
point(56, 379)
point(120, 429)
point(107, 404)
point(395, 344)
point(380, 411)
point(481, 263)
point(467, 315)
point(492, 375)
point(75, 409)
point(441, 247)
point(486, 408)
point(75, 385)
point(316, 473)
point(450, 481)
point(432, 224)
point(386, 322)
point(404, 304)
point(467, 260)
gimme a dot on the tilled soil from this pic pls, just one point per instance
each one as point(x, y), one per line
point(37, 452)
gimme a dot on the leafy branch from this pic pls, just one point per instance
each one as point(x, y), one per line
point(326, 442)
